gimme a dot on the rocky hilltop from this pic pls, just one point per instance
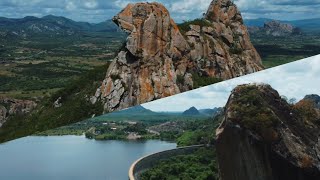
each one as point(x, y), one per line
point(160, 59)
point(10, 107)
point(276, 28)
point(315, 99)
point(191, 112)
point(262, 137)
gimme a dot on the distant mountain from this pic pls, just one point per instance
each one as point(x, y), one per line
point(314, 98)
point(50, 25)
point(256, 22)
point(134, 110)
point(210, 112)
point(306, 25)
point(275, 28)
point(191, 112)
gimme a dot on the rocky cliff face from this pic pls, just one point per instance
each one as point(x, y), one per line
point(222, 47)
point(159, 59)
point(262, 137)
point(10, 107)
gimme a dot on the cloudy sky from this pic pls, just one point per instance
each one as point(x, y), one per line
point(100, 10)
point(294, 80)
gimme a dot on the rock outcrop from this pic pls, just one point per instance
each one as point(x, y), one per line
point(222, 47)
point(314, 99)
point(10, 107)
point(262, 137)
point(159, 59)
point(276, 28)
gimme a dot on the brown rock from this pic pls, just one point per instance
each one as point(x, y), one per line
point(263, 137)
point(158, 61)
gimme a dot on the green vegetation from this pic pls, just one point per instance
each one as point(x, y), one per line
point(200, 165)
point(200, 81)
point(307, 110)
point(254, 112)
point(185, 130)
point(40, 65)
point(180, 79)
point(276, 51)
point(75, 106)
point(185, 26)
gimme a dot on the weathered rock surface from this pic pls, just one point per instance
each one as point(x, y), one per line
point(262, 137)
point(10, 107)
point(159, 61)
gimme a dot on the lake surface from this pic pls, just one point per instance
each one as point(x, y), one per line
point(72, 157)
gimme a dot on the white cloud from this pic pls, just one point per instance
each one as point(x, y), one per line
point(180, 9)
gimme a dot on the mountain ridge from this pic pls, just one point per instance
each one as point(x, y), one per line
point(51, 25)
point(307, 25)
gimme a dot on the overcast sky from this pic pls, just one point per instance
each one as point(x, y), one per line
point(101, 10)
point(294, 80)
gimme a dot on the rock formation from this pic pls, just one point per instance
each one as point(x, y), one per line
point(276, 28)
point(314, 99)
point(222, 47)
point(10, 107)
point(262, 137)
point(159, 59)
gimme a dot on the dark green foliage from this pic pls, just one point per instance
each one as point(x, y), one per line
point(180, 79)
point(115, 77)
point(235, 49)
point(75, 107)
point(252, 112)
point(200, 165)
point(275, 51)
point(185, 26)
point(200, 81)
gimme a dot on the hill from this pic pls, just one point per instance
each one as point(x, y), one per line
point(306, 25)
point(191, 112)
point(136, 110)
point(211, 112)
point(50, 26)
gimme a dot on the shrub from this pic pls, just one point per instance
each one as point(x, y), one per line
point(185, 26)
point(180, 79)
point(200, 81)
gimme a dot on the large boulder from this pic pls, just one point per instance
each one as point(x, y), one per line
point(262, 137)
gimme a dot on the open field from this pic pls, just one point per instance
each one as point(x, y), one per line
point(43, 65)
point(276, 51)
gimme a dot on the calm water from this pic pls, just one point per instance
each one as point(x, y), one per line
point(72, 157)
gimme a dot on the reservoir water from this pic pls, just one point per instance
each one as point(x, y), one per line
point(72, 157)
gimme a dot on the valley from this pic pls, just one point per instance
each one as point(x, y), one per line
point(38, 63)
point(138, 123)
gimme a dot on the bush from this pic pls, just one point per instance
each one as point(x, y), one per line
point(185, 26)
point(253, 113)
point(200, 81)
point(201, 164)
